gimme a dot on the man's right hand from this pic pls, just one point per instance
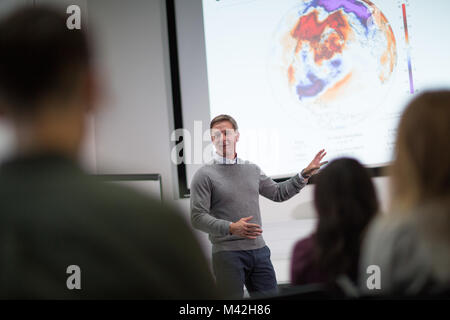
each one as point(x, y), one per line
point(244, 229)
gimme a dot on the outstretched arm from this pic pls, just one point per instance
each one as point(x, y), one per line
point(285, 190)
point(280, 191)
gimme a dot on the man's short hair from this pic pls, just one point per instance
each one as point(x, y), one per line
point(224, 117)
point(39, 56)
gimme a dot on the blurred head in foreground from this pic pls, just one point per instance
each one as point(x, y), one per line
point(46, 81)
point(421, 170)
point(411, 245)
point(345, 201)
point(54, 218)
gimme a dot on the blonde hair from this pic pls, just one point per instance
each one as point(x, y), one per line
point(421, 169)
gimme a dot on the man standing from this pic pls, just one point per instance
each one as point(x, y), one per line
point(225, 204)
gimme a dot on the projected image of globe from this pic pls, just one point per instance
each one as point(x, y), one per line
point(333, 59)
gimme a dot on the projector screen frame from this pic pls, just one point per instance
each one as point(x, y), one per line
point(177, 105)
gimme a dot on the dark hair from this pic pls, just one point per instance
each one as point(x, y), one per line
point(223, 117)
point(345, 201)
point(39, 55)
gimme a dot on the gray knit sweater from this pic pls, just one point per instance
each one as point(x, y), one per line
point(225, 193)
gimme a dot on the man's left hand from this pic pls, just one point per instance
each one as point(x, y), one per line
point(315, 165)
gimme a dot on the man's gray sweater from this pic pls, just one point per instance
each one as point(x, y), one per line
point(225, 193)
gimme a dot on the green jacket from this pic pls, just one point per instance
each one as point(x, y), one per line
point(126, 245)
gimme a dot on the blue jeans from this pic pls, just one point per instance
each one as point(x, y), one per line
point(252, 268)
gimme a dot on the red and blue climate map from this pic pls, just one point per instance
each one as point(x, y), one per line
point(299, 74)
point(331, 55)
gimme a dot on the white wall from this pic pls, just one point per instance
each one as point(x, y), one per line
point(132, 128)
point(131, 131)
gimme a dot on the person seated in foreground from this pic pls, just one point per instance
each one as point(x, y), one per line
point(345, 202)
point(63, 233)
point(410, 246)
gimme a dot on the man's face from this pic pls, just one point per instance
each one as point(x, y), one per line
point(224, 138)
